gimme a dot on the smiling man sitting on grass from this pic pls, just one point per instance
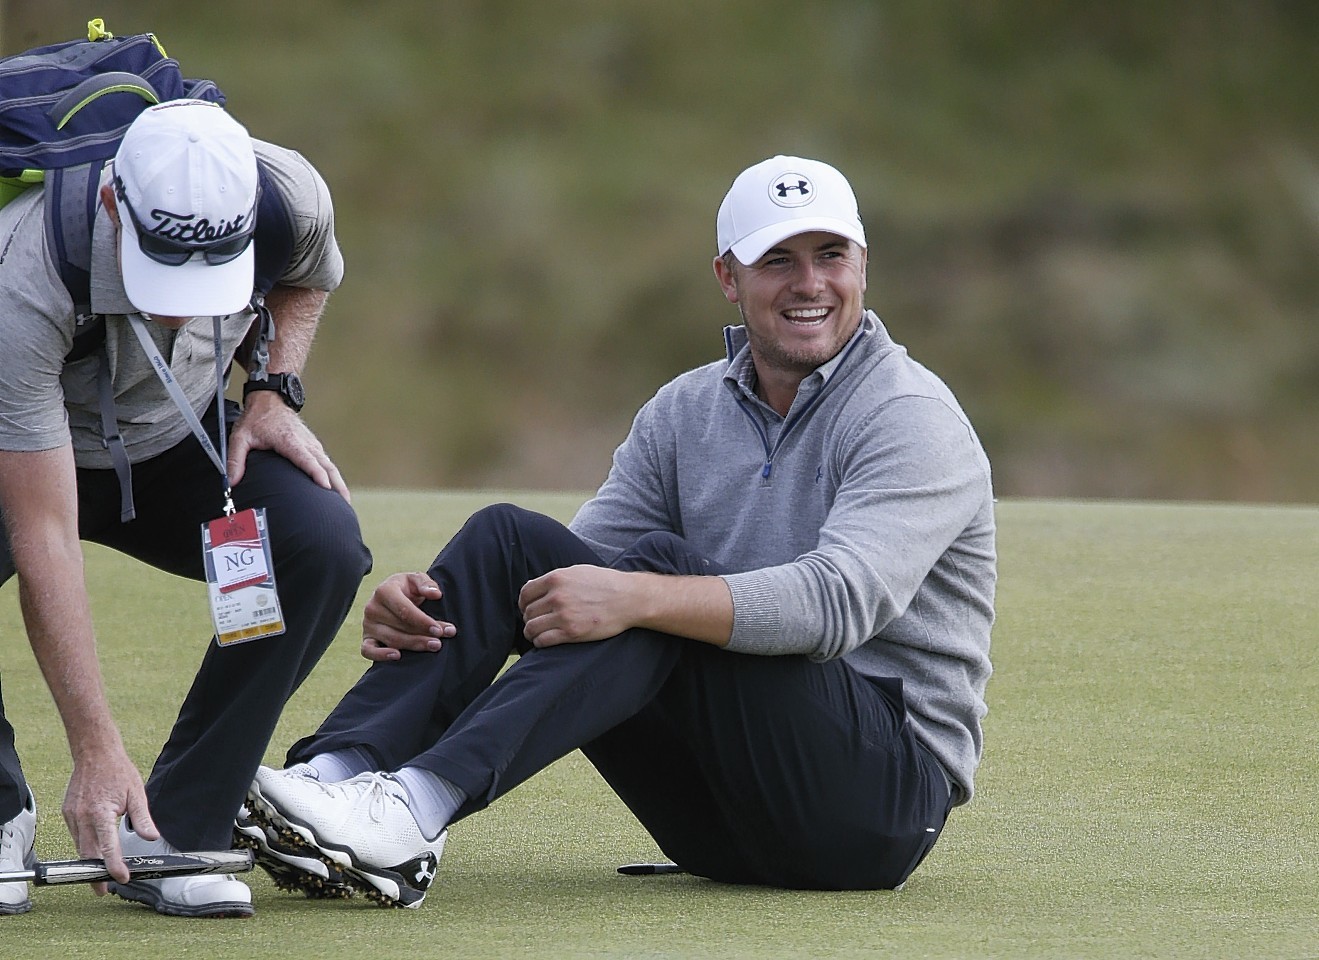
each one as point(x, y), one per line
point(768, 630)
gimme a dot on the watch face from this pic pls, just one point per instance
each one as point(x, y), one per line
point(293, 389)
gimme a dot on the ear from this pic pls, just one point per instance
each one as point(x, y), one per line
point(108, 201)
point(727, 278)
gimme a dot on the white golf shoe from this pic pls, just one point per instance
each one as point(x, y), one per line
point(292, 864)
point(17, 852)
point(362, 825)
point(215, 895)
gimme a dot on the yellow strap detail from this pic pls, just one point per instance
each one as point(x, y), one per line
point(146, 93)
point(13, 187)
point(25, 179)
point(159, 45)
point(96, 30)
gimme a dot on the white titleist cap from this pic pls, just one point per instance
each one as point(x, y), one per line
point(780, 198)
point(186, 187)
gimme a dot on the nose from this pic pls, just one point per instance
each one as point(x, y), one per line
point(807, 279)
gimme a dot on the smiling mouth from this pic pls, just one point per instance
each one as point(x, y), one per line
point(806, 316)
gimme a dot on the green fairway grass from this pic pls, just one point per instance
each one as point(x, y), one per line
point(1147, 789)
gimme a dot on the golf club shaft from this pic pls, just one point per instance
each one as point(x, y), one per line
point(53, 872)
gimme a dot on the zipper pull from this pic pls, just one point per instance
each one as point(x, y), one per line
point(764, 471)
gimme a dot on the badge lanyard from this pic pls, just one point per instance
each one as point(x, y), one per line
point(181, 400)
point(240, 571)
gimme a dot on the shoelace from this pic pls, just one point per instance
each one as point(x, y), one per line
point(378, 790)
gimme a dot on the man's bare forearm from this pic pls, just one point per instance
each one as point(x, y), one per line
point(40, 508)
point(297, 313)
point(585, 602)
point(59, 630)
point(699, 608)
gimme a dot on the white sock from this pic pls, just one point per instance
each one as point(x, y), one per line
point(342, 764)
point(432, 799)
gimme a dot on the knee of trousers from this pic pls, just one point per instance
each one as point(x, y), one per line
point(502, 523)
point(663, 552)
point(327, 537)
point(505, 517)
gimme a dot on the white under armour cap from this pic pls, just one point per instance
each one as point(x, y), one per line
point(186, 185)
point(780, 198)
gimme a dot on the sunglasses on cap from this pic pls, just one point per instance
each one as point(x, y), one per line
point(172, 253)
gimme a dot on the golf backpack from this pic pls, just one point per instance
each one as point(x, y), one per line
point(63, 110)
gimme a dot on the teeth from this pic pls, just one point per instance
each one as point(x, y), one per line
point(813, 314)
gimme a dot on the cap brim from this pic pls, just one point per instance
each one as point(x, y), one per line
point(753, 246)
point(192, 289)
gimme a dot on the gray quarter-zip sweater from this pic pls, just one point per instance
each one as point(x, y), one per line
point(861, 525)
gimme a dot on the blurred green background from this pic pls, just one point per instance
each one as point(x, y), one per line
point(1098, 222)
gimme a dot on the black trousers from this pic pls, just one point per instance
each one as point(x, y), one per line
point(229, 715)
point(766, 770)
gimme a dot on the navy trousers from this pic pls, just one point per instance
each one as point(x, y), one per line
point(226, 721)
point(764, 770)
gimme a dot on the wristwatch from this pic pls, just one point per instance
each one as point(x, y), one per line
point(287, 385)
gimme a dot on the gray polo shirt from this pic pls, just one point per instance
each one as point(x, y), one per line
point(45, 403)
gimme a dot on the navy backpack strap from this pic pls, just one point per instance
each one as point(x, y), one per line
point(71, 201)
point(274, 233)
point(274, 250)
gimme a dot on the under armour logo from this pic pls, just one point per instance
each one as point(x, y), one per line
point(791, 190)
point(425, 872)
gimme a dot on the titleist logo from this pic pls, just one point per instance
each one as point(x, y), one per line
point(186, 228)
